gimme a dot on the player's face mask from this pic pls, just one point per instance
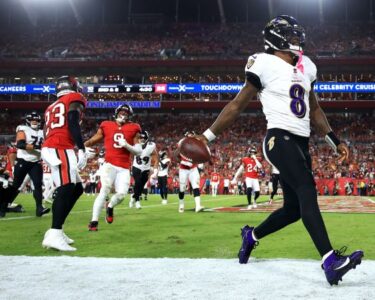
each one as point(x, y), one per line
point(121, 117)
point(34, 124)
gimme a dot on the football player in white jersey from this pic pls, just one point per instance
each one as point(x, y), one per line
point(142, 166)
point(283, 78)
point(29, 139)
point(164, 162)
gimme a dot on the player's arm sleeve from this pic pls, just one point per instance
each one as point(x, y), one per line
point(254, 70)
point(74, 114)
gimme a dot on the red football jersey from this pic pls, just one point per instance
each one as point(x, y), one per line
point(56, 122)
point(215, 177)
point(114, 153)
point(250, 166)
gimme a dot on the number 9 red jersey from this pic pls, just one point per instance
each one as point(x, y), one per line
point(114, 153)
point(56, 122)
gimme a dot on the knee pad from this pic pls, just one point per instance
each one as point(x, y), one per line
point(196, 192)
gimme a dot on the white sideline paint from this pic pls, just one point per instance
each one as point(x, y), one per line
point(64, 277)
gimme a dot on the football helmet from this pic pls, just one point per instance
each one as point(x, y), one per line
point(33, 116)
point(190, 133)
point(252, 151)
point(66, 85)
point(123, 117)
point(285, 34)
point(162, 154)
point(144, 136)
point(101, 153)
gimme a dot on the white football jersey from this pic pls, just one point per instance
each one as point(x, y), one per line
point(285, 91)
point(143, 161)
point(163, 171)
point(34, 137)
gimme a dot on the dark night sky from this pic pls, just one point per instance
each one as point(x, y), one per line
point(116, 11)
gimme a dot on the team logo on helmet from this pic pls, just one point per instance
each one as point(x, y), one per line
point(285, 34)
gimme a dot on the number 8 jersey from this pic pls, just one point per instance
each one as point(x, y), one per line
point(56, 122)
point(283, 90)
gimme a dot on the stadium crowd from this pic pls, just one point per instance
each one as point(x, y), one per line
point(249, 130)
point(178, 40)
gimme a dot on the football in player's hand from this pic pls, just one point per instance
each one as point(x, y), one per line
point(194, 150)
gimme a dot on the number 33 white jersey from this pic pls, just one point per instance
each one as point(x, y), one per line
point(34, 137)
point(284, 90)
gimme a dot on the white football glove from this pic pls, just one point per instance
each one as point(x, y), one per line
point(233, 182)
point(122, 142)
point(82, 159)
point(90, 153)
point(253, 156)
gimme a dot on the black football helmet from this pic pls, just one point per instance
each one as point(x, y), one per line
point(144, 136)
point(189, 133)
point(33, 116)
point(285, 34)
point(128, 113)
point(66, 85)
point(162, 154)
point(252, 151)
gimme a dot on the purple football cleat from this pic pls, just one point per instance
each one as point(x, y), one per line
point(337, 265)
point(248, 244)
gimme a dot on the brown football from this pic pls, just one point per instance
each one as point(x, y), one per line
point(194, 150)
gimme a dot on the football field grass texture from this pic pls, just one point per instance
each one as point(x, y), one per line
point(160, 231)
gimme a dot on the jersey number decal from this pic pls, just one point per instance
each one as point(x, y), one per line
point(57, 119)
point(141, 160)
point(249, 168)
point(37, 141)
point(297, 105)
point(116, 138)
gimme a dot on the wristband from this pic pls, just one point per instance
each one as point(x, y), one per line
point(332, 140)
point(209, 135)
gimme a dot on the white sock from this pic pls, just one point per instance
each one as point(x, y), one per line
point(115, 200)
point(253, 236)
point(197, 201)
point(97, 207)
point(326, 255)
point(181, 202)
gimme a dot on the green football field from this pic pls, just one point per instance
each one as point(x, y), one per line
point(160, 231)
